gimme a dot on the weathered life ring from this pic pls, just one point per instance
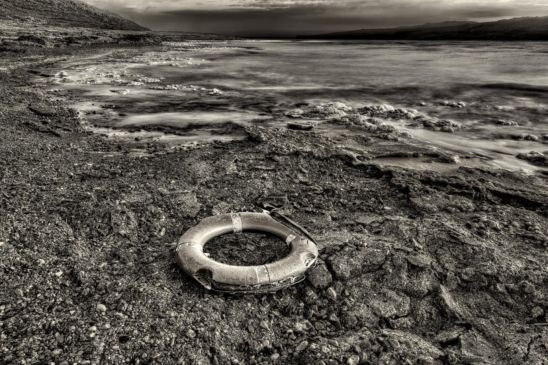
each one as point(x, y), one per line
point(214, 275)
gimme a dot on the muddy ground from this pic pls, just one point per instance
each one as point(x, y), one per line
point(417, 267)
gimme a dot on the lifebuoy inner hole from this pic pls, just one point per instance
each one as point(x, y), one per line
point(247, 248)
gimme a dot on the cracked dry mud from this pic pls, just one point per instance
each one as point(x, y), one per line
point(416, 267)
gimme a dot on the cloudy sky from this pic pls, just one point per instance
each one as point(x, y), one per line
point(290, 17)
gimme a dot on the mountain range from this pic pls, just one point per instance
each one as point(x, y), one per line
point(515, 29)
point(63, 13)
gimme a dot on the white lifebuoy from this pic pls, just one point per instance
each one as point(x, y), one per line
point(229, 278)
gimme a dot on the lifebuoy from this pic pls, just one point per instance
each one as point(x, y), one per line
point(214, 275)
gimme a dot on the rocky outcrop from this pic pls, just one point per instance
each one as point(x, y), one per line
point(67, 13)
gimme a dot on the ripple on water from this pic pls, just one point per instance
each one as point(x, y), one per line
point(170, 95)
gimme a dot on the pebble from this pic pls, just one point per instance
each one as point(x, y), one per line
point(534, 157)
point(264, 325)
point(527, 287)
point(296, 113)
point(468, 274)
point(302, 346)
point(301, 327)
point(537, 312)
point(101, 308)
point(190, 333)
point(331, 294)
point(420, 260)
point(300, 126)
point(353, 360)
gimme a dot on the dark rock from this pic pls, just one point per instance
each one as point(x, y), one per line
point(123, 221)
point(31, 38)
point(536, 158)
point(347, 264)
point(449, 336)
point(42, 110)
point(503, 122)
point(389, 304)
point(319, 276)
point(451, 305)
point(420, 260)
point(187, 203)
point(300, 126)
point(413, 346)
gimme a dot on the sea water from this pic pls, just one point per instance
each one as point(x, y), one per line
point(494, 95)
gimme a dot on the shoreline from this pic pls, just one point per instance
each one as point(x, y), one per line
point(415, 265)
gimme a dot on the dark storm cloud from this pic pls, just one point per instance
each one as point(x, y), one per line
point(291, 17)
point(295, 20)
point(285, 21)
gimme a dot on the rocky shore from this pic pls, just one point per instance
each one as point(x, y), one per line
point(417, 267)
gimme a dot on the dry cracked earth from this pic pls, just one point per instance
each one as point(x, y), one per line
point(417, 267)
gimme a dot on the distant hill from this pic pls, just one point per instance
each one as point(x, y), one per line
point(516, 29)
point(67, 13)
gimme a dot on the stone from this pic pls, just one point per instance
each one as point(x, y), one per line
point(123, 221)
point(264, 324)
point(367, 219)
point(295, 113)
point(536, 158)
point(537, 312)
point(302, 346)
point(188, 203)
point(347, 264)
point(420, 260)
point(300, 126)
point(31, 38)
point(353, 360)
point(474, 346)
point(449, 336)
point(331, 294)
point(389, 304)
point(301, 327)
point(42, 110)
point(451, 305)
point(412, 345)
point(320, 277)
point(101, 308)
point(190, 333)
